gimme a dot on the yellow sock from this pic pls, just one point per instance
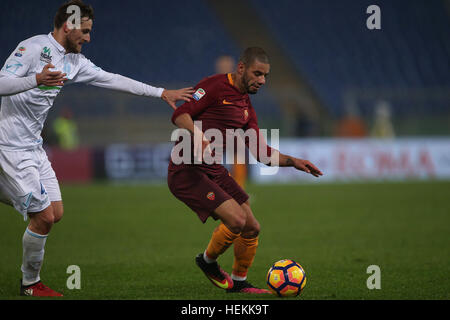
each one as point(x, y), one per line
point(221, 240)
point(244, 254)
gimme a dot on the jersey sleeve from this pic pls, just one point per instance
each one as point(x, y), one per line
point(20, 60)
point(204, 96)
point(90, 74)
point(14, 75)
point(261, 144)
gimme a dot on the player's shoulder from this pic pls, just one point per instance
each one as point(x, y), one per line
point(40, 38)
point(211, 85)
point(34, 42)
point(214, 80)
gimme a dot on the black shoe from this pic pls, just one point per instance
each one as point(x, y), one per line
point(214, 273)
point(246, 287)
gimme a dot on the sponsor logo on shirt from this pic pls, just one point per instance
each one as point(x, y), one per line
point(20, 52)
point(245, 114)
point(226, 102)
point(46, 55)
point(199, 94)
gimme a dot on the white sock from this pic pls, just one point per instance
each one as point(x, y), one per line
point(237, 278)
point(33, 256)
point(207, 259)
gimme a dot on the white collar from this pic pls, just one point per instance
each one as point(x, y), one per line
point(56, 43)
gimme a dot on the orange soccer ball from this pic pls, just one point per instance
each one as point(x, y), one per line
point(286, 278)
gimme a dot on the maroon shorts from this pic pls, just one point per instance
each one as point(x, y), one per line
point(204, 192)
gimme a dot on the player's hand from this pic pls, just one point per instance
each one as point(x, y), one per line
point(308, 167)
point(172, 96)
point(50, 78)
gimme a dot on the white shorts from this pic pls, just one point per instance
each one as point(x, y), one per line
point(27, 180)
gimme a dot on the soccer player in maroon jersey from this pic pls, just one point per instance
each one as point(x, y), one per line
point(222, 102)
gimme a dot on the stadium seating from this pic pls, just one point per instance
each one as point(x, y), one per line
point(175, 43)
point(329, 43)
point(157, 41)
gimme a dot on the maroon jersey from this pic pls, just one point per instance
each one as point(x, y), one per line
point(219, 105)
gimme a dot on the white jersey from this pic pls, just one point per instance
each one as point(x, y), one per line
point(24, 106)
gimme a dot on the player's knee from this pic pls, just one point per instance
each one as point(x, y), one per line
point(251, 230)
point(58, 214)
point(255, 229)
point(42, 221)
point(238, 221)
point(58, 217)
point(47, 219)
point(236, 226)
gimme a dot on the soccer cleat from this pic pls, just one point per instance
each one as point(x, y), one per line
point(38, 289)
point(214, 273)
point(246, 287)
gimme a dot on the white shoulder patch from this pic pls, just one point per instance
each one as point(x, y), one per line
point(199, 94)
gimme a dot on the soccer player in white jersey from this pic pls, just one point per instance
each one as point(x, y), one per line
point(30, 80)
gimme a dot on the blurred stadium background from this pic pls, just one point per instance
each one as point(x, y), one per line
point(331, 78)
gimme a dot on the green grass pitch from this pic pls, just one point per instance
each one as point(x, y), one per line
point(139, 242)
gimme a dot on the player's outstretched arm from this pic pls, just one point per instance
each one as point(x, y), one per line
point(172, 96)
point(299, 164)
point(277, 159)
point(90, 74)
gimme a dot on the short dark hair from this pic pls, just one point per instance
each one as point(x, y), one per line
point(61, 16)
point(254, 53)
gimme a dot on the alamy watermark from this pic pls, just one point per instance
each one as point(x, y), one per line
point(373, 22)
point(374, 280)
point(74, 280)
point(74, 20)
point(208, 147)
